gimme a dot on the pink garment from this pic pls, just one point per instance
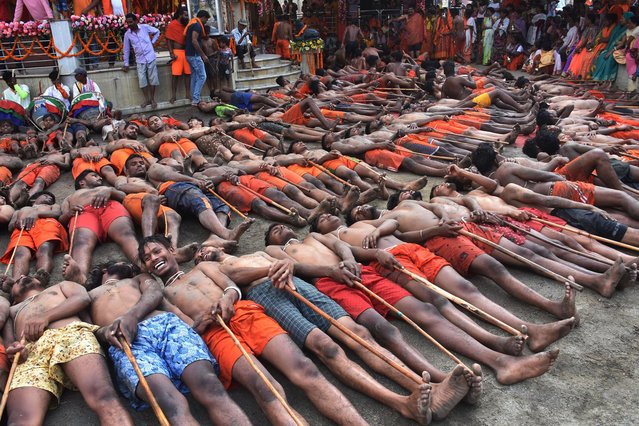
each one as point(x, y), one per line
point(631, 63)
point(415, 29)
point(38, 9)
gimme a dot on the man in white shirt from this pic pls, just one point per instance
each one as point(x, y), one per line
point(58, 90)
point(18, 93)
point(83, 84)
point(243, 43)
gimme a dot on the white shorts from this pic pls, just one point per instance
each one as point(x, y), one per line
point(148, 74)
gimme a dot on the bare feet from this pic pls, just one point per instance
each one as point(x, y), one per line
point(417, 405)
point(154, 105)
point(325, 206)
point(42, 276)
point(296, 220)
point(512, 136)
point(172, 100)
point(145, 104)
point(512, 345)
point(611, 278)
point(241, 228)
point(186, 253)
point(383, 192)
point(629, 277)
point(475, 382)
point(71, 270)
point(416, 185)
point(448, 393)
point(229, 246)
point(517, 369)
point(540, 336)
point(566, 308)
point(349, 200)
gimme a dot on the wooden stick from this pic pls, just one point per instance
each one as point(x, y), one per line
point(461, 302)
point(522, 259)
point(297, 185)
point(12, 371)
point(364, 164)
point(166, 226)
point(75, 225)
point(630, 156)
point(586, 234)
point(629, 189)
point(331, 174)
point(401, 148)
point(405, 371)
point(15, 248)
point(258, 371)
point(266, 199)
point(242, 215)
point(147, 390)
point(64, 133)
point(412, 323)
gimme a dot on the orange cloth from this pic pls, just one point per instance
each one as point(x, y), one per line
point(582, 192)
point(416, 259)
point(486, 233)
point(6, 143)
point(119, 157)
point(53, 137)
point(282, 49)
point(414, 29)
point(480, 82)
point(44, 230)
point(133, 203)
point(5, 175)
point(294, 115)
point(385, 159)
point(238, 197)
point(99, 220)
point(249, 136)
point(293, 177)
point(273, 180)
point(164, 186)
point(252, 327)
point(255, 184)
point(180, 65)
point(175, 31)
point(332, 165)
point(580, 175)
point(459, 251)
point(301, 171)
point(167, 148)
point(333, 115)
point(4, 360)
point(107, 8)
point(33, 171)
point(79, 165)
point(191, 22)
point(634, 152)
point(171, 122)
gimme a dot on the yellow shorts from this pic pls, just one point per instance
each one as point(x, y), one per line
point(482, 100)
point(57, 346)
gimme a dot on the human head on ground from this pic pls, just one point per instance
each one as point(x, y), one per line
point(19, 289)
point(446, 189)
point(111, 269)
point(157, 256)
point(278, 234)
point(155, 123)
point(399, 196)
point(88, 179)
point(484, 157)
point(135, 166)
point(325, 223)
point(131, 130)
point(42, 198)
point(362, 212)
point(208, 254)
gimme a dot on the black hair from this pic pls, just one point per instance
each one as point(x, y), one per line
point(325, 145)
point(223, 40)
point(393, 200)
point(157, 238)
point(82, 177)
point(431, 194)
point(367, 127)
point(314, 86)
point(397, 55)
point(132, 157)
point(320, 71)
point(180, 11)
point(40, 193)
point(483, 157)
point(195, 118)
point(51, 116)
point(207, 30)
point(521, 82)
point(290, 147)
point(449, 68)
point(547, 142)
point(97, 272)
point(267, 235)
point(131, 123)
point(7, 75)
point(203, 14)
point(132, 16)
point(546, 44)
point(313, 224)
point(507, 76)
point(530, 148)
point(53, 75)
point(371, 60)
point(431, 75)
point(280, 81)
point(429, 86)
point(544, 118)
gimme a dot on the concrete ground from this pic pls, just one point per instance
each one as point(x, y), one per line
point(593, 381)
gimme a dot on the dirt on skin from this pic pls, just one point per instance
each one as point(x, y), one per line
point(594, 380)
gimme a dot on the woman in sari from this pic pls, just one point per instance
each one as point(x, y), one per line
point(599, 44)
point(578, 55)
point(632, 50)
point(444, 47)
point(500, 28)
point(488, 35)
point(605, 67)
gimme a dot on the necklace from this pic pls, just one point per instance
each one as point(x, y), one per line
point(110, 281)
point(174, 277)
point(289, 242)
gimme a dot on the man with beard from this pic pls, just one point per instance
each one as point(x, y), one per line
point(172, 357)
point(61, 352)
point(205, 292)
point(127, 144)
point(176, 39)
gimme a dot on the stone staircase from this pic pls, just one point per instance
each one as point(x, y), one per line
point(263, 78)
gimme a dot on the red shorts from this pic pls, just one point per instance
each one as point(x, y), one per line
point(167, 148)
point(578, 175)
point(486, 233)
point(48, 174)
point(238, 197)
point(355, 301)
point(459, 251)
point(119, 157)
point(252, 327)
point(582, 192)
point(415, 258)
point(385, 159)
point(541, 215)
point(79, 165)
point(43, 231)
point(99, 220)
point(249, 136)
point(5, 175)
point(282, 49)
point(133, 204)
point(294, 115)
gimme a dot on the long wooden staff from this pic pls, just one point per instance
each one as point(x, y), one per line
point(630, 156)
point(242, 215)
point(266, 199)
point(461, 302)
point(147, 390)
point(440, 157)
point(75, 224)
point(12, 371)
point(331, 174)
point(630, 189)
point(15, 248)
point(586, 234)
point(258, 371)
point(522, 259)
point(166, 226)
point(405, 371)
point(364, 164)
point(412, 323)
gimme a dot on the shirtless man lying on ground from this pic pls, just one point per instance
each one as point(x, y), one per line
point(173, 358)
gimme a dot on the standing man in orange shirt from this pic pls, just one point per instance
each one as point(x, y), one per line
point(176, 40)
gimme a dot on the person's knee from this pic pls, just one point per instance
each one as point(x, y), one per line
point(172, 217)
point(387, 333)
point(100, 395)
point(261, 391)
point(151, 201)
point(466, 288)
point(22, 255)
point(303, 370)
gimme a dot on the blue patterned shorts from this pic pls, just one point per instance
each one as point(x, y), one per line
point(164, 345)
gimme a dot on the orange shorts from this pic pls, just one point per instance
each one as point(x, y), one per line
point(294, 115)
point(579, 175)
point(167, 148)
point(252, 327)
point(5, 144)
point(5, 175)
point(255, 184)
point(301, 171)
point(79, 165)
point(630, 134)
point(486, 233)
point(43, 231)
point(581, 192)
point(480, 82)
point(4, 360)
point(180, 66)
point(238, 197)
point(99, 220)
point(385, 159)
point(332, 165)
point(133, 203)
point(52, 139)
point(459, 251)
point(360, 97)
point(333, 115)
point(273, 180)
point(416, 259)
point(293, 177)
point(119, 157)
point(249, 136)
point(48, 174)
point(282, 49)
point(634, 152)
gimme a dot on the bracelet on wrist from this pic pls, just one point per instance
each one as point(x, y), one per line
point(236, 289)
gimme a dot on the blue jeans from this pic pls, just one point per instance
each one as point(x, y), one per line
point(198, 77)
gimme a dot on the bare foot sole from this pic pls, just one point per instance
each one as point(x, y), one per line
point(71, 270)
point(540, 336)
point(417, 405)
point(296, 220)
point(629, 277)
point(241, 228)
point(325, 206)
point(42, 276)
point(566, 308)
point(475, 382)
point(186, 253)
point(512, 345)
point(611, 278)
point(512, 136)
point(383, 192)
point(448, 393)
point(350, 199)
point(522, 368)
point(416, 185)
point(229, 246)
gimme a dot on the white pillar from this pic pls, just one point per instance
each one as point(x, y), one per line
point(220, 17)
point(63, 38)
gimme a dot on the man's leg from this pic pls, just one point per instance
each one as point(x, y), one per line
point(27, 406)
point(21, 262)
point(91, 376)
point(38, 185)
point(150, 206)
point(174, 80)
point(173, 404)
point(44, 257)
point(147, 101)
point(595, 160)
point(309, 105)
point(77, 263)
point(121, 231)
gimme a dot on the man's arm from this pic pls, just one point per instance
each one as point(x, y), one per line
point(155, 33)
point(196, 45)
point(126, 49)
